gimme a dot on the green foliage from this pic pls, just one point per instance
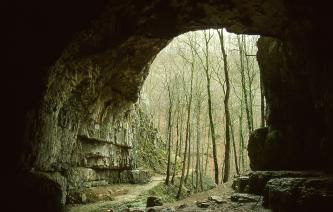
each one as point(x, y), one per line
point(149, 149)
point(166, 192)
point(150, 157)
point(207, 183)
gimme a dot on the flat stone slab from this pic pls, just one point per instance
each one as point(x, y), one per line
point(255, 181)
point(241, 198)
point(205, 204)
point(217, 199)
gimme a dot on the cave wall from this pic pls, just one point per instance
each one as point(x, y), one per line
point(105, 64)
point(83, 70)
point(298, 91)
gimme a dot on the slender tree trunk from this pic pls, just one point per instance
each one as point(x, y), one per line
point(184, 162)
point(192, 162)
point(201, 165)
point(189, 154)
point(187, 133)
point(210, 113)
point(185, 148)
point(181, 134)
point(243, 82)
point(207, 150)
point(197, 166)
point(176, 152)
point(226, 110)
point(262, 102)
point(241, 137)
point(202, 159)
point(234, 147)
point(250, 81)
point(169, 138)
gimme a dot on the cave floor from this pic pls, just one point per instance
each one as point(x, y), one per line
point(224, 192)
point(124, 194)
point(127, 195)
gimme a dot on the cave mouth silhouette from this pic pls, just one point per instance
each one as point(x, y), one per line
point(79, 68)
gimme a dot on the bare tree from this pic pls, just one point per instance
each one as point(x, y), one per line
point(205, 65)
point(187, 133)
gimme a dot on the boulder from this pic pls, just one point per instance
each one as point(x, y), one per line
point(154, 201)
point(205, 204)
point(264, 149)
point(241, 184)
point(89, 195)
point(299, 194)
point(140, 176)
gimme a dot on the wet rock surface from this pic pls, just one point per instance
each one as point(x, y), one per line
point(287, 190)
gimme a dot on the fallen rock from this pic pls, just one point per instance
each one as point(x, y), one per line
point(241, 198)
point(140, 176)
point(183, 206)
point(299, 194)
point(88, 195)
point(169, 209)
point(154, 201)
point(241, 184)
point(160, 209)
point(135, 210)
point(203, 204)
point(216, 199)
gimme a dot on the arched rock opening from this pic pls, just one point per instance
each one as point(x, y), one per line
point(87, 64)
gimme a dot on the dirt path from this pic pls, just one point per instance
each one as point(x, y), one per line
point(136, 190)
point(130, 193)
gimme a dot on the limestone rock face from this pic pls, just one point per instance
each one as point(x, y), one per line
point(298, 135)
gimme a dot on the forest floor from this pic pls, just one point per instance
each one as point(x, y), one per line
point(134, 196)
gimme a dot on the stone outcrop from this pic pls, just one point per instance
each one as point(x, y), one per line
point(288, 190)
point(298, 135)
point(256, 181)
point(103, 153)
point(299, 194)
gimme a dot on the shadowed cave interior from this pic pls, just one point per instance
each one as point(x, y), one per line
point(81, 66)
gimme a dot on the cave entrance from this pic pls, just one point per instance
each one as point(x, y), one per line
point(80, 128)
point(185, 94)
